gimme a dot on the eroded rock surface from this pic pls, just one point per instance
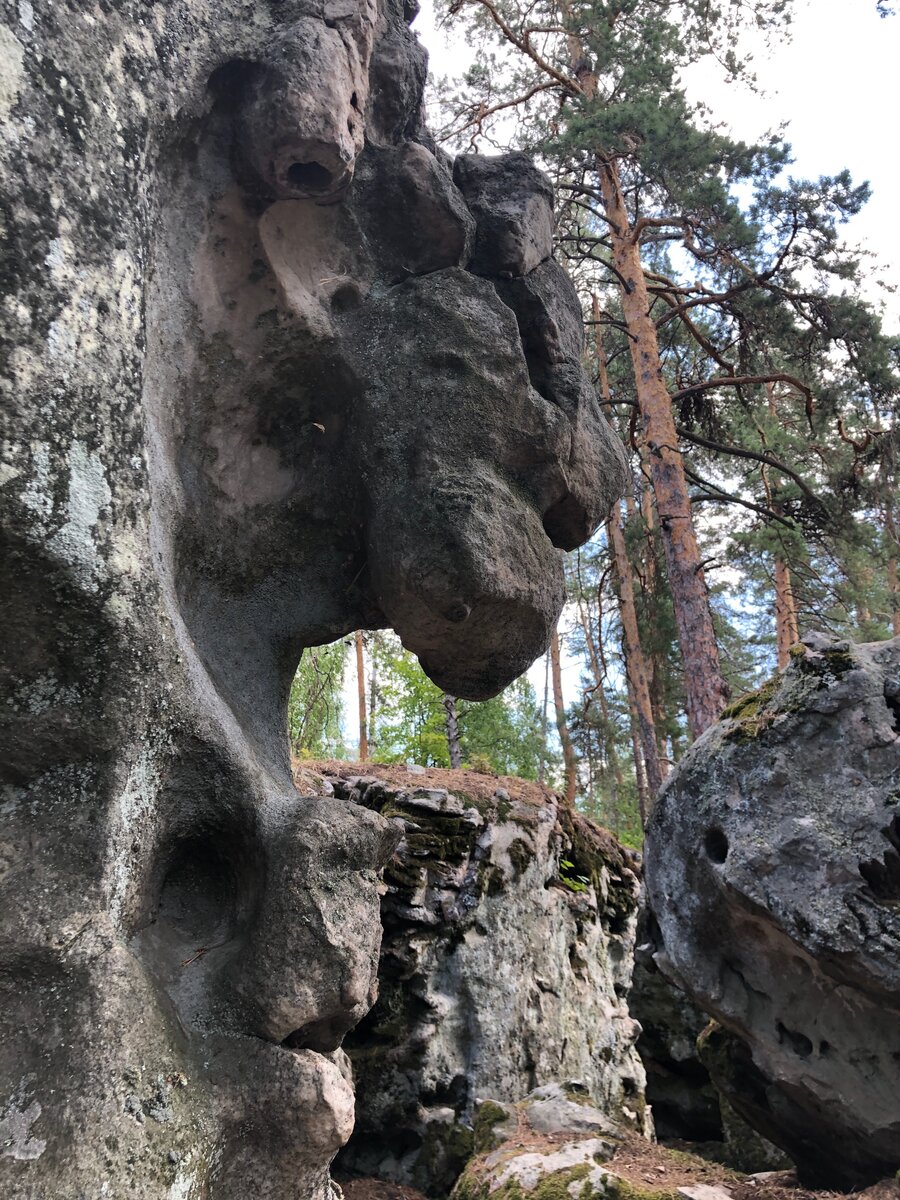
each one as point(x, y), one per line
point(505, 966)
point(773, 870)
point(244, 367)
point(681, 1089)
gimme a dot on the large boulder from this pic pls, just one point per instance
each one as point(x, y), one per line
point(506, 962)
point(236, 425)
point(773, 871)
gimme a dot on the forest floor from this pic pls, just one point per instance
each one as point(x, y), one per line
point(659, 1172)
point(308, 775)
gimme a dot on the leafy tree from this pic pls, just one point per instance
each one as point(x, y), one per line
point(315, 705)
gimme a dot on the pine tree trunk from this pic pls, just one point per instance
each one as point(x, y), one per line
point(373, 695)
point(451, 722)
point(599, 675)
point(635, 663)
point(705, 688)
point(893, 589)
point(361, 693)
point(786, 629)
point(640, 770)
point(570, 767)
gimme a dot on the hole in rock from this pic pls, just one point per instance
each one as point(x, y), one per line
point(892, 700)
point(716, 845)
point(229, 82)
point(354, 101)
point(198, 898)
point(322, 1036)
point(883, 875)
point(311, 176)
point(345, 298)
point(567, 524)
point(798, 1042)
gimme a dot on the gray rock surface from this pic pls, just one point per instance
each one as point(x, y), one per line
point(218, 224)
point(553, 1142)
point(773, 870)
point(496, 977)
point(686, 1102)
point(684, 1099)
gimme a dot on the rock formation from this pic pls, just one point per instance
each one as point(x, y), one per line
point(773, 870)
point(506, 962)
point(684, 1098)
point(254, 398)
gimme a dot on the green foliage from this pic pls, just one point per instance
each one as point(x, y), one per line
point(315, 706)
point(569, 878)
point(502, 735)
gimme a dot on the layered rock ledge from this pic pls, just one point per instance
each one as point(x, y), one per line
point(508, 940)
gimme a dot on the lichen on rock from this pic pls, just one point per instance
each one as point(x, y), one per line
point(495, 978)
point(254, 398)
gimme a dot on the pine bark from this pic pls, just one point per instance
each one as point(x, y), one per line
point(705, 688)
point(451, 722)
point(635, 662)
point(787, 631)
point(569, 764)
point(361, 694)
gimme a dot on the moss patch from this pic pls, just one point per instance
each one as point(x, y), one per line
point(753, 712)
point(487, 1117)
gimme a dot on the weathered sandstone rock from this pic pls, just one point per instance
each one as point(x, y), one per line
point(505, 966)
point(773, 870)
point(227, 248)
point(685, 1099)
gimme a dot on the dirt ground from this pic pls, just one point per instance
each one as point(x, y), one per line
point(650, 1165)
point(470, 783)
point(655, 1168)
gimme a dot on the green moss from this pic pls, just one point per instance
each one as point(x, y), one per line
point(753, 712)
point(556, 1185)
point(445, 1151)
point(597, 857)
point(521, 854)
point(487, 1116)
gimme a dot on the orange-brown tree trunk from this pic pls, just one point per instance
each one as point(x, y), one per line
point(361, 693)
point(705, 687)
point(786, 628)
point(635, 662)
point(569, 764)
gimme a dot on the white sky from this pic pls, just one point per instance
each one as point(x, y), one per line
point(835, 83)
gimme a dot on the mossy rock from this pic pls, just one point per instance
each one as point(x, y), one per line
point(487, 1116)
point(787, 692)
point(444, 1153)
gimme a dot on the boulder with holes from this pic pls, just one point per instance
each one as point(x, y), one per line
point(773, 871)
